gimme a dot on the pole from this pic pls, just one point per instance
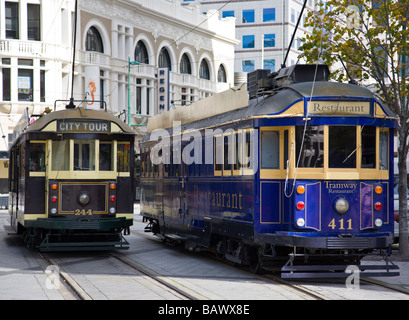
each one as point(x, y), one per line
point(129, 90)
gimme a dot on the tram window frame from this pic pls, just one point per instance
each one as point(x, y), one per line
point(349, 137)
point(177, 158)
point(286, 140)
point(84, 155)
point(123, 167)
point(368, 147)
point(228, 153)
point(313, 136)
point(37, 161)
point(383, 148)
point(60, 155)
point(237, 152)
point(145, 162)
point(166, 161)
point(109, 156)
point(22, 157)
point(218, 146)
point(271, 149)
point(247, 162)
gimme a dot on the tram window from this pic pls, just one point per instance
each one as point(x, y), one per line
point(123, 157)
point(285, 148)
point(368, 147)
point(145, 163)
point(238, 148)
point(218, 153)
point(84, 155)
point(246, 161)
point(228, 152)
point(37, 157)
point(105, 156)
point(311, 140)
point(383, 150)
point(270, 147)
point(342, 147)
point(22, 166)
point(166, 162)
point(60, 155)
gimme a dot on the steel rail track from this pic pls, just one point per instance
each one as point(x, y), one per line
point(302, 289)
point(77, 292)
point(181, 290)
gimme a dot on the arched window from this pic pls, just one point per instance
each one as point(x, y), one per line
point(204, 70)
point(94, 40)
point(164, 59)
point(141, 54)
point(221, 74)
point(185, 65)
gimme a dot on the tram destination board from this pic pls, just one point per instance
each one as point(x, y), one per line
point(79, 125)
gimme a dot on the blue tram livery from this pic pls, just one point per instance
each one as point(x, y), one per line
point(71, 180)
point(298, 177)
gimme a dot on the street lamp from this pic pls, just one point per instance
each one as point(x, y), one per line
point(130, 63)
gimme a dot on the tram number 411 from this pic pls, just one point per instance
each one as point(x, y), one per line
point(341, 224)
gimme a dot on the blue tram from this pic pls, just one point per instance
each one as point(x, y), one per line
point(300, 175)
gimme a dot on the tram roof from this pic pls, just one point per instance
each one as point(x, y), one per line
point(77, 113)
point(267, 105)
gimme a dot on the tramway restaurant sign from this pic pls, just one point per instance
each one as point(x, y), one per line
point(339, 107)
point(72, 125)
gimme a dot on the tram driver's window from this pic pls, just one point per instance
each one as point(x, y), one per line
point(37, 157)
point(342, 147)
point(84, 155)
point(123, 157)
point(105, 156)
point(309, 141)
point(60, 155)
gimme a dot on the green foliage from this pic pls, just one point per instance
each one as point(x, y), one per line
point(371, 38)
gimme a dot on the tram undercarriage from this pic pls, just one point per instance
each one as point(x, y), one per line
point(77, 235)
point(291, 261)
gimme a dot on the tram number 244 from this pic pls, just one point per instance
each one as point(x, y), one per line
point(83, 212)
point(340, 224)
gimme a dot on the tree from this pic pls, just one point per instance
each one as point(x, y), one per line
point(370, 38)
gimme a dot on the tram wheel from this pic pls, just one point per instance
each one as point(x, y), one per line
point(255, 260)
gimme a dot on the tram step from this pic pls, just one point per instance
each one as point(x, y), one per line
point(48, 246)
point(175, 237)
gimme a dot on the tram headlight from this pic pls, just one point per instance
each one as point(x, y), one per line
point(53, 210)
point(378, 223)
point(112, 210)
point(341, 205)
point(300, 222)
point(83, 198)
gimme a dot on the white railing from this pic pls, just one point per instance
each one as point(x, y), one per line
point(33, 48)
